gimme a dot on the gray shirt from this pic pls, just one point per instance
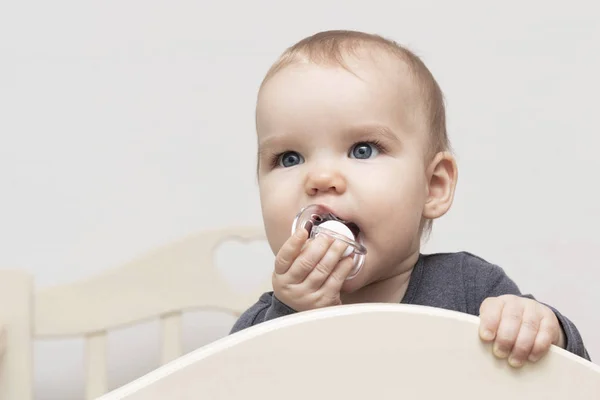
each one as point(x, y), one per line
point(452, 281)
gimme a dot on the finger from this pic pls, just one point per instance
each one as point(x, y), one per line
point(543, 340)
point(326, 265)
point(336, 279)
point(308, 259)
point(510, 324)
point(490, 313)
point(526, 337)
point(290, 251)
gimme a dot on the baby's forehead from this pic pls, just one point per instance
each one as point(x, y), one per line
point(377, 66)
point(371, 64)
point(380, 63)
point(373, 80)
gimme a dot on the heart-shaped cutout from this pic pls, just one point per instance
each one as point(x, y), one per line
point(245, 265)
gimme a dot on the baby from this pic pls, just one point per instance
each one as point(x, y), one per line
point(356, 123)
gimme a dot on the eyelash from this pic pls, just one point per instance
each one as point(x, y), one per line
point(274, 160)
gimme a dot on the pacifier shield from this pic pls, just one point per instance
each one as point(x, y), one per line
point(318, 219)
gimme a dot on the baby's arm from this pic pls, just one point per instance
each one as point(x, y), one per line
point(519, 323)
point(268, 307)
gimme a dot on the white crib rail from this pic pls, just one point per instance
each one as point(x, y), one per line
point(177, 277)
point(96, 371)
point(363, 352)
point(16, 359)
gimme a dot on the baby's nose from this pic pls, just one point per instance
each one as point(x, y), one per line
point(325, 180)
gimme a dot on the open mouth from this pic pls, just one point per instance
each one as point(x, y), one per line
point(350, 225)
point(353, 228)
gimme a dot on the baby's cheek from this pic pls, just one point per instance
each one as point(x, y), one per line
point(396, 231)
point(276, 230)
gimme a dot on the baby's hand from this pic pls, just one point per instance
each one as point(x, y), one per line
point(521, 329)
point(310, 277)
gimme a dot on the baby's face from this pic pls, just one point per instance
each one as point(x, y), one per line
point(351, 143)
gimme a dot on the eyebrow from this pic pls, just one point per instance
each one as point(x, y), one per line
point(355, 133)
point(382, 131)
point(265, 144)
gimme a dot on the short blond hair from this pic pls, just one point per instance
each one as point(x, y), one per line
point(331, 47)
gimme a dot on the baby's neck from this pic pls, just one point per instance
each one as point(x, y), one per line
point(388, 290)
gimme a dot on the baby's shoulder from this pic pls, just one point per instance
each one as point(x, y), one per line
point(465, 264)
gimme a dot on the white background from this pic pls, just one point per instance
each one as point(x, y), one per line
point(127, 124)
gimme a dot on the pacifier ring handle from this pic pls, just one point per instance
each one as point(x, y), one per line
point(317, 218)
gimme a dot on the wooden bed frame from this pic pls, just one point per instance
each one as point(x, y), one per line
point(378, 351)
point(375, 351)
point(178, 277)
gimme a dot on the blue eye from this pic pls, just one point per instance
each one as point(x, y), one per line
point(363, 151)
point(289, 159)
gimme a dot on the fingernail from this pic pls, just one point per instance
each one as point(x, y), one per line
point(500, 353)
point(515, 362)
point(487, 335)
point(533, 358)
point(323, 236)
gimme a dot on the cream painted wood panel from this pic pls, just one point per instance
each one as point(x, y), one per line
point(162, 284)
point(363, 352)
point(16, 359)
point(179, 276)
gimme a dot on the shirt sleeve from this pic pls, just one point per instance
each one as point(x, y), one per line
point(492, 281)
point(268, 307)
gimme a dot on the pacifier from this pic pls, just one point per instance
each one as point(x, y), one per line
point(318, 219)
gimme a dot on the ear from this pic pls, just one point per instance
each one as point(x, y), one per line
point(442, 175)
